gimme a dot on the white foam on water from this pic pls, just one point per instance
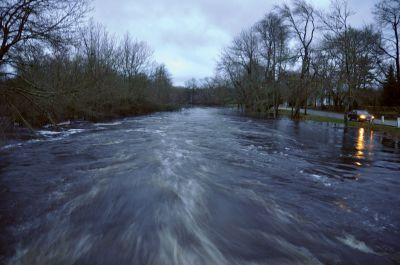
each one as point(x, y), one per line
point(186, 211)
point(108, 143)
point(144, 130)
point(108, 123)
point(351, 241)
point(56, 135)
point(9, 146)
point(178, 154)
point(318, 177)
point(206, 253)
point(48, 133)
point(56, 195)
point(73, 131)
point(34, 141)
point(323, 179)
point(298, 254)
point(64, 123)
point(83, 246)
point(67, 249)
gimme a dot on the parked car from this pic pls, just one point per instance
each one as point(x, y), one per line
point(360, 115)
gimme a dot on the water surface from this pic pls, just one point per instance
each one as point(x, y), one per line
point(201, 186)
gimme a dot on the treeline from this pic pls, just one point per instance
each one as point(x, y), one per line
point(305, 57)
point(53, 68)
point(214, 91)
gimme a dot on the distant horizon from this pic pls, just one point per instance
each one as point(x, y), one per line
point(189, 37)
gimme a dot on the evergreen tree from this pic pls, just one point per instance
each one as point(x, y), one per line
point(391, 90)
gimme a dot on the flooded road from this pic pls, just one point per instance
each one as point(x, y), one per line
point(201, 186)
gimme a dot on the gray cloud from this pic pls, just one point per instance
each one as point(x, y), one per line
point(188, 36)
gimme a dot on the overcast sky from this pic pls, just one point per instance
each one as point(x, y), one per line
point(188, 36)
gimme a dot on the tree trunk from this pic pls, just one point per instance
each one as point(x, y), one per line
point(397, 52)
point(305, 108)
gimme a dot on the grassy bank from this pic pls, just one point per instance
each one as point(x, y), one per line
point(375, 127)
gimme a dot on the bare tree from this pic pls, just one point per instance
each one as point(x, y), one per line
point(387, 13)
point(354, 50)
point(327, 73)
point(274, 37)
point(135, 57)
point(240, 63)
point(191, 85)
point(301, 19)
point(30, 21)
point(100, 54)
point(161, 83)
point(59, 69)
point(336, 26)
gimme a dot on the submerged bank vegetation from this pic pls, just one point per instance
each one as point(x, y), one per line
point(303, 57)
point(58, 65)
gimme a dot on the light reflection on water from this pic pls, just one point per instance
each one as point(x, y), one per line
point(360, 146)
point(364, 146)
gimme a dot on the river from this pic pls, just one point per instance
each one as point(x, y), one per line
point(201, 186)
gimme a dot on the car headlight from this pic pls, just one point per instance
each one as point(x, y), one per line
point(363, 116)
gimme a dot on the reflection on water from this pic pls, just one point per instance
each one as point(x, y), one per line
point(364, 146)
point(360, 146)
point(371, 138)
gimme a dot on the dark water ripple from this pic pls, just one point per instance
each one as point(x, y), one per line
point(201, 186)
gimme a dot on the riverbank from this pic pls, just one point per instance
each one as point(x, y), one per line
point(24, 130)
point(376, 127)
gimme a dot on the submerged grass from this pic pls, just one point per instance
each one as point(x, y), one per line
point(375, 127)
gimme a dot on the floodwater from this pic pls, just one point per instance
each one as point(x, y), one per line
point(201, 186)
